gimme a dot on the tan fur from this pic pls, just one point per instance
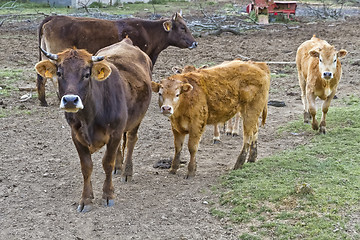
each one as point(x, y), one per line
point(218, 93)
point(314, 59)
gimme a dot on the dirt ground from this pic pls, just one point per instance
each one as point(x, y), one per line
point(40, 177)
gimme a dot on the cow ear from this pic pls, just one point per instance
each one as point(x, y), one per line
point(342, 53)
point(46, 69)
point(186, 88)
point(100, 71)
point(155, 87)
point(314, 53)
point(167, 26)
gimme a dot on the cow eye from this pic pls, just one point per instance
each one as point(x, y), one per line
point(58, 74)
point(160, 94)
point(177, 95)
point(320, 59)
point(334, 60)
point(87, 75)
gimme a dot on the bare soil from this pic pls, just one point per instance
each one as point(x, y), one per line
point(40, 176)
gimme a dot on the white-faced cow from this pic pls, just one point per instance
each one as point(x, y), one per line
point(103, 100)
point(57, 33)
point(319, 71)
point(212, 95)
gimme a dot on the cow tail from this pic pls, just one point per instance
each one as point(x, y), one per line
point(47, 19)
point(264, 115)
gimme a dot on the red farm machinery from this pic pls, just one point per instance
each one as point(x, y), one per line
point(265, 8)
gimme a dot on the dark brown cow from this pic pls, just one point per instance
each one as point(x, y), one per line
point(102, 101)
point(57, 33)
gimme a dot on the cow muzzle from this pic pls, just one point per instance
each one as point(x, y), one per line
point(71, 103)
point(327, 75)
point(167, 110)
point(193, 45)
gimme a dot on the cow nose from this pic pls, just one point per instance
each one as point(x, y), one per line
point(71, 102)
point(193, 45)
point(327, 75)
point(165, 109)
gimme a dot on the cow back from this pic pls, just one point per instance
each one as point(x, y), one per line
point(134, 68)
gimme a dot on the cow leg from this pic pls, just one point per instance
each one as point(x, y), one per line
point(253, 149)
point(229, 127)
point(312, 110)
point(131, 139)
point(216, 137)
point(85, 203)
point(178, 142)
point(40, 83)
point(250, 126)
point(325, 108)
point(120, 157)
point(193, 146)
point(236, 126)
point(304, 100)
point(108, 163)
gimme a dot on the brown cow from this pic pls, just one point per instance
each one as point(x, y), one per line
point(319, 71)
point(212, 95)
point(232, 125)
point(57, 33)
point(103, 100)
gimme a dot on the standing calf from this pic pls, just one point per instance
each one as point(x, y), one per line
point(102, 100)
point(212, 95)
point(319, 71)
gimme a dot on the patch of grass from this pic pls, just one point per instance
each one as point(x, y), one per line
point(9, 79)
point(159, 6)
point(303, 193)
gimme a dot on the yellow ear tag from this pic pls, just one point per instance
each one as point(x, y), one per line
point(101, 74)
point(48, 74)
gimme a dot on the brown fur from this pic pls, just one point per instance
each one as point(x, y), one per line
point(315, 59)
point(57, 33)
point(115, 98)
point(213, 95)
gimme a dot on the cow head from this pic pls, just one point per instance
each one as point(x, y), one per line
point(170, 91)
point(328, 60)
point(178, 33)
point(74, 69)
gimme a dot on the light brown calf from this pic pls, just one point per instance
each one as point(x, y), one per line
point(319, 71)
point(232, 125)
point(213, 95)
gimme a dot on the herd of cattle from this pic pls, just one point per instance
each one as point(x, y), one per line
point(104, 75)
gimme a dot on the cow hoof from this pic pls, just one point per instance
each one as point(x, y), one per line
point(216, 141)
point(322, 130)
point(84, 208)
point(228, 133)
point(44, 104)
point(190, 176)
point(172, 171)
point(108, 202)
point(117, 171)
point(127, 178)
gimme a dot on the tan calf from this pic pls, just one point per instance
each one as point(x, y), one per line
point(232, 125)
point(319, 71)
point(213, 95)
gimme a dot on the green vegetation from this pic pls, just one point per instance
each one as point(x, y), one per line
point(155, 6)
point(306, 193)
point(9, 87)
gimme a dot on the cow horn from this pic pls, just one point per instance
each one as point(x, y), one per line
point(97, 58)
point(49, 55)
